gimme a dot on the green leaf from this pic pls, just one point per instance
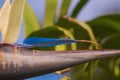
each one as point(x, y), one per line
point(105, 26)
point(66, 78)
point(79, 72)
point(78, 7)
point(106, 68)
point(67, 34)
point(75, 28)
point(50, 12)
point(49, 32)
point(102, 74)
point(55, 32)
point(30, 20)
point(111, 41)
point(13, 20)
point(79, 29)
point(65, 7)
point(84, 71)
point(112, 21)
point(106, 29)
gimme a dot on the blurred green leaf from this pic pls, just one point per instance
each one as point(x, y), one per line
point(106, 29)
point(73, 27)
point(66, 78)
point(13, 20)
point(109, 21)
point(77, 28)
point(102, 74)
point(78, 7)
point(67, 34)
point(30, 20)
point(49, 32)
point(105, 26)
point(50, 12)
point(105, 69)
point(84, 71)
point(61, 47)
point(117, 68)
point(55, 32)
point(65, 7)
point(111, 41)
point(79, 72)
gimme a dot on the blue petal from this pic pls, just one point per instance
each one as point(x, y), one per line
point(47, 42)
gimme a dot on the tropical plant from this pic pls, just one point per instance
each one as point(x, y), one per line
point(104, 30)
